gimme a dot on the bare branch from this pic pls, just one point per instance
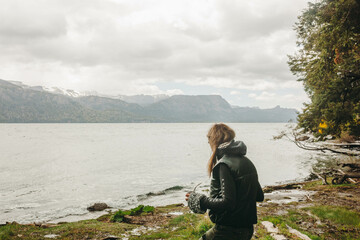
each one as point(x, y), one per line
point(295, 136)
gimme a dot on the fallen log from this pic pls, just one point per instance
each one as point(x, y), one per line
point(268, 189)
point(352, 166)
point(344, 177)
point(322, 177)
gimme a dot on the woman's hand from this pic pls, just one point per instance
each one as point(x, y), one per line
point(187, 196)
point(194, 200)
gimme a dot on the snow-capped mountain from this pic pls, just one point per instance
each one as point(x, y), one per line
point(54, 90)
point(22, 103)
point(142, 99)
point(67, 92)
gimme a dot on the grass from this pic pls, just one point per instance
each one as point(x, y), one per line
point(339, 215)
point(292, 219)
point(336, 222)
point(317, 185)
point(192, 226)
point(188, 226)
point(312, 184)
point(76, 230)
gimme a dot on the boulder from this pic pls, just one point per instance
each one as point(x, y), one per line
point(97, 207)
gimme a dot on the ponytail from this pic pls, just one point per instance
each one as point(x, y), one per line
point(218, 134)
point(212, 162)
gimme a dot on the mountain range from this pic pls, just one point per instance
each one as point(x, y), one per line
point(20, 103)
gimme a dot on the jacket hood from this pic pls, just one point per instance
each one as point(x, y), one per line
point(231, 148)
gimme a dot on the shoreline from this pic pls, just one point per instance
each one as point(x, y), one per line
point(155, 198)
point(290, 211)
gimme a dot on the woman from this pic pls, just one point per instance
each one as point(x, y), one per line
point(234, 188)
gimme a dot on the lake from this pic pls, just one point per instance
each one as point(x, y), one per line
point(53, 172)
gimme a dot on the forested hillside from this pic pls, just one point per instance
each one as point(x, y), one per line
point(19, 103)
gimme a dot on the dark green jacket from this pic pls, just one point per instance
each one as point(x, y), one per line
point(248, 189)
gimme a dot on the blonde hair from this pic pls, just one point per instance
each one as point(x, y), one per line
point(218, 134)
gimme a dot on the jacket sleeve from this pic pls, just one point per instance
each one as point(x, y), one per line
point(259, 194)
point(228, 192)
point(194, 202)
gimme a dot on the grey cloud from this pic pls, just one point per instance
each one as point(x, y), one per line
point(21, 21)
point(251, 19)
point(244, 46)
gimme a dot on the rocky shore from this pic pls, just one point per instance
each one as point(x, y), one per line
point(306, 210)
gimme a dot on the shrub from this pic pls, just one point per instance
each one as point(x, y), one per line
point(119, 215)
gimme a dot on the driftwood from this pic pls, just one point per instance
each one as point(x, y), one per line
point(323, 149)
point(352, 166)
point(288, 186)
point(348, 145)
point(322, 176)
point(300, 141)
point(339, 175)
point(349, 149)
point(344, 177)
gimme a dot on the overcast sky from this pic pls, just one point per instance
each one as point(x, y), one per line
point(234, 48)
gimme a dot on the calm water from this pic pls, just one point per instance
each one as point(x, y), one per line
point(53, 172)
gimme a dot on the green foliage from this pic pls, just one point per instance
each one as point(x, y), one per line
point(89, 229)
point(292, 219)
point(190, 226)
point(7, 232)
point(136, 211)
point(177, 220)
point(338, 215)
point(327, 63)
point(274, 220)
point(203, 226)
point(148, 209)
point(120, 214)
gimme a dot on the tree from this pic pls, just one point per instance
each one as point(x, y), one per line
point(328, 64)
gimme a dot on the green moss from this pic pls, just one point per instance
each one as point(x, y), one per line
point(262, 234)
point(267, 238)
point(203, 226)
point(169, 208)
point(7, 232)
point(338, 215)
point(156, 235)
point(312, 184)
point(188, 226)
point(77, 230)
point(120, 214)
point(177, 220)
point(148, 209)
point(136, 211)
point(184, 219)
point(291, 219)
point(105, 218)
point(344, 185)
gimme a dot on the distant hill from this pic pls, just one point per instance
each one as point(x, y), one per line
point(22, 103)
point(277, 114)
point(183, 108)
point(142, 100)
